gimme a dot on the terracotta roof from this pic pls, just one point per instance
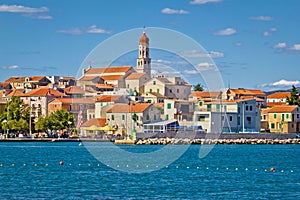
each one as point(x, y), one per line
point(135, 76)
point(283, 109)
point(74, 90)
point(248, 92)
point(20, 79)
point(15, 93)
point(113, 69)
point(199, 94)
point(264, 111)
point(271, 104)
point(125, 108)
point(4, 84)
point(105, 86)
point(44, 92)
point(99, 122)
point(88, 78)
point(159, 105)
point(279, 95)
point(108, 98)
point(112, 77)
point(74, 100)
point(144, 39)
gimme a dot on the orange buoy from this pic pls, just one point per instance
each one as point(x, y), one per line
point(272, 169)
point(61, 162)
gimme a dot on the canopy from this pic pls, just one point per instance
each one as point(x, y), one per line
point(107, 128)
point(93, 128)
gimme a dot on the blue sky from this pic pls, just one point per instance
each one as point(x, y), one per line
point(254, 43)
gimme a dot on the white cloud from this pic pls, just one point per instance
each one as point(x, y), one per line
point(72, 31)
point(266, 33)
point(281, 84)
point(280, 45)
point(79, 31)
point(21, 9)
point(273, 29)
point(205, 66)
point(227, 31)
point(191, 72)
point(238, 44)
point(94, 29)
point(198, 2)
point(200, 54)
point(11, 67)
point(170, 11)
point(295, 47)
point(262, 18)
point(30, 12)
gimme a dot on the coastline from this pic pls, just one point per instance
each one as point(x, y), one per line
point(242, 138)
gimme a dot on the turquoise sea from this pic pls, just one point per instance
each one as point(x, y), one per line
point(32, 171)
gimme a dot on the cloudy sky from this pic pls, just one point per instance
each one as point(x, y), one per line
point(254, 43)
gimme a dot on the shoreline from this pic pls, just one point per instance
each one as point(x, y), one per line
point(241, 138)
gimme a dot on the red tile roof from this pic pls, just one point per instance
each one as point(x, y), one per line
point(113, 69)
point(44, 92)
point(279, 95)
point(105, 86)
point(248, 92)
point(4, 84)
point(74, 90)
point(108, 98)
point(20, 79)
point(99, 122)
point(283, 109)
point(135, 76)
point(88, 78)
point(271, 104)
point(125, 108)
point(203, 94)
point(74, 100)
point(15, 93)
point(112, 77)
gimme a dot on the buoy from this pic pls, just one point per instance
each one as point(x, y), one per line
point(61, 163)
point(272, 169)
point(80, 144)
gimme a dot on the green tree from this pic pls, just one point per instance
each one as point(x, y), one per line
point(294, 99)
point(198, 87)
point(16, 116)
point(56, 121)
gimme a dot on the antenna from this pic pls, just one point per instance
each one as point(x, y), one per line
point(144, 29)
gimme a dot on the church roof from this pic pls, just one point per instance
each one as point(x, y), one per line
point(144, 39)
point(113, 69)
point(135, 76)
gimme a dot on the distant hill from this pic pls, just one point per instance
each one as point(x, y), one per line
point(271, 92)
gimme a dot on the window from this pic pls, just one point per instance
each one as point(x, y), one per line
point(154, 82)
point(287, 116)
point(200, 103)
point(218, 106)
point(177, 90)
point(247, 108)
point(150, 90)
point(265, 117)
point(239, 120)
point(147, 117)
point(250, 108)
point(157, 90)
point(167, 117)
point(282, 117)
point(201, 118)
point(230, 118)
point(275, 116)
point(70, 107)
point(112, 117)
point(123, 117)
point(101, 104)
point(169, 105)
point(272, 125)
point(297, 116)
point(55, 105)
point(154, 117)
point(170, 91)
point(208, 107)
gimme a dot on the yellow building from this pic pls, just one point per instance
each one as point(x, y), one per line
point(284, 119)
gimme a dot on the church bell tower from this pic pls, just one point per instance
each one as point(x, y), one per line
point(143, 61)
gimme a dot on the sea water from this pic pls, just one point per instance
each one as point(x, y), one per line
point(32, 170)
